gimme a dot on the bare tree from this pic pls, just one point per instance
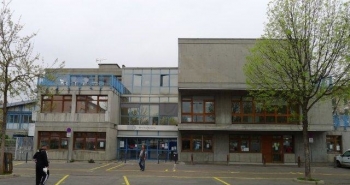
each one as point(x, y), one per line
point(19, 67)
point(303, 56)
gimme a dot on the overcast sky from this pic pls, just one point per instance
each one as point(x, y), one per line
point(136, 33)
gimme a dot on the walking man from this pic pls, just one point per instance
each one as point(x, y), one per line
point(142, 158)
point(42, 162)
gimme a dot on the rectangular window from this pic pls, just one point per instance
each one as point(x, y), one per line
point(288, 144)
point(164, 80)
point(56, 104)
point(244, 143)
point(53, 140)
point(137, 80)
point(89, 141)
point(197, 143)
point(198, 109)
point(245, 109)
point(91, 104)
point(334, 144)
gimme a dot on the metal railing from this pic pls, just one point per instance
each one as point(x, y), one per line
point(84, 80)
point(341, 121)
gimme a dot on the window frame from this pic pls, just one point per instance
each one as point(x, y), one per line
point(337, 140)
point(93, 137)
point(48, 137)
point(202, 115)
point(259, 114)
point(48, 103)
point(83, 102)
point(239, 138)
point(197, 143)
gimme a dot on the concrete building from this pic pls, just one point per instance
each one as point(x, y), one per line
point(149, 113)
point(220, 122)
point(19, 117)
point(85, 103)
point(200, 110)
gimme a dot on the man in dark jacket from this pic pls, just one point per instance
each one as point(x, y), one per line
point(42, 162)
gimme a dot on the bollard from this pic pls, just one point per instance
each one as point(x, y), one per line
point(299, 163)
point(264, 161)
point(335, 162)
point(125, 157)
point(158, 158)
point(26, 157)
point(192, 159)
point(228, 159)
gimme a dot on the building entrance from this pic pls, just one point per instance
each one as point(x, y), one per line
point(156, 148)
point(272, 149)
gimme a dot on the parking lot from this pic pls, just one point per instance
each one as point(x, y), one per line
point(168, 173)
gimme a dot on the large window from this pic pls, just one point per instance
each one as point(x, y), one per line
point(149, 114)
point(151, 81)
point(198, 109)
point(334, 144)
point(89, 140)
point(92, 104)
point(18, 121)
point(56, 103)
point(246, 110)
point(244, 143)
point(54, 140)
point(197, 143)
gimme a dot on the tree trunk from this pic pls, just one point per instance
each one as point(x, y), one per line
point(306, 146)
point(3, 132)
point(2, 152)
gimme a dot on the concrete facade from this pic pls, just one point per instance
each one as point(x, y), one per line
point(214, 67)
point(82, 122)
point(208, 69)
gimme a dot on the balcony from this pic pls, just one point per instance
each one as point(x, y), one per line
point(341, 121)
point(83, 80)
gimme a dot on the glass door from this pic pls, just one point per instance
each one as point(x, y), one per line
point(277, 145)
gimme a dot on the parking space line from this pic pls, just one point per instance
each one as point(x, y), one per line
point(59, 182)
point(126, 180)
point(109, 169)
point(100, 166)
point(18, 164)
point(221, 181)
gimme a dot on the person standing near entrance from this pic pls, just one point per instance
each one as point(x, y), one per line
point(142, 158)
point(42, 162)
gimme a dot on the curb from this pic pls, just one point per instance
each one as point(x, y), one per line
point(308, 182)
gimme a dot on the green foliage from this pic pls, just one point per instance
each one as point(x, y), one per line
point(19, 67)
point(91, 161)
point(305, 179)
point(303, 56)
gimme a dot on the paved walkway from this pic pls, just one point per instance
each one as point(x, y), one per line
point(128, 173)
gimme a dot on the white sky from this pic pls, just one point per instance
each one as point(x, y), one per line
point(136, 33)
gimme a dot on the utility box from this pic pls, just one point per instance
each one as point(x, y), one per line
point(8, 166)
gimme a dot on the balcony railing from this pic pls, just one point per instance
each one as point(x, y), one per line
point(341, 121)
point(85, 80)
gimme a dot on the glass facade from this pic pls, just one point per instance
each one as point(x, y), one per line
point(153, 99)
point(155, 81)
point(156, 148)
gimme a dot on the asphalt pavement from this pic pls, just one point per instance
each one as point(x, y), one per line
point(169, 173)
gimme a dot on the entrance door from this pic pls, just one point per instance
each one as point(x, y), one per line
point(277, 146)
point(272, 149)
point(266, 148)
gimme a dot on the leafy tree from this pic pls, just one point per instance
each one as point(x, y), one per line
point(303, 56)
point(19, 68)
